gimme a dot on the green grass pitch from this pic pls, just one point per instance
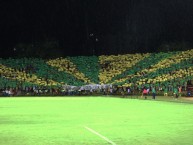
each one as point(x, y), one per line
point(65, 121)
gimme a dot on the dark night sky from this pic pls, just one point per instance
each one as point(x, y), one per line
point(86, 27)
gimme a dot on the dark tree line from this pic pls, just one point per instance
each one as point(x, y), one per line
point(87, 27)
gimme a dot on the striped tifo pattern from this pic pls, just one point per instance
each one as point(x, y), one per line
point(66, 65)
point(41, 69)
point(112, 65)
point(162, 64)
point(145, 63)
point(88, 65)
point(124, 70)
point(21, 76)
point(178, 74)
point(171, 60)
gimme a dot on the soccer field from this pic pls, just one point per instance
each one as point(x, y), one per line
point(94, 121)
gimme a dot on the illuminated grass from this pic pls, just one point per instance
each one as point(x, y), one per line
point(61, 120)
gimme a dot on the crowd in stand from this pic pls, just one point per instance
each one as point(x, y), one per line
point(67, 90)
point(130, 73)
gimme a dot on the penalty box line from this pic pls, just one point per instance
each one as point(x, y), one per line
point(101, 136)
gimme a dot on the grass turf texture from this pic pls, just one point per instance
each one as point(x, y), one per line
point(62, 121)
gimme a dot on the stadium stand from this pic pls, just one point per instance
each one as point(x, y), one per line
point(136, 71)
point(113, 65)
point(65, 65)
point(40, 69)
point(88, 65)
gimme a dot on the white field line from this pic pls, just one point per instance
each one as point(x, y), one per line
point(98, 134)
